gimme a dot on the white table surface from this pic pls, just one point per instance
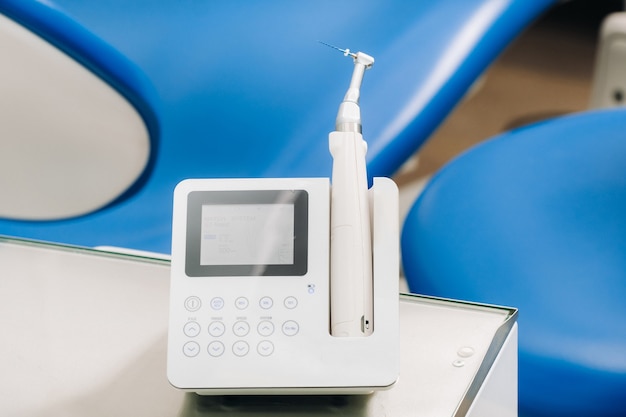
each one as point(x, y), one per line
point(84, 334)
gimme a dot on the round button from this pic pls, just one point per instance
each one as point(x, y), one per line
point(216, 349)
point(265, 328)
point(193, 303)
point(266, 303)
point(241, 328)
point(217, 303)
point(265, 348)
point(241, 303)
point(290, 328)
point(465, 352)
point(191, 329)
point(241, 348)
point(191, 349)
point(458, 363)
point(217, 328)
point(291, 302)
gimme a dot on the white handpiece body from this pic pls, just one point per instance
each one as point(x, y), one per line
point(351, 248)
point(351, 280)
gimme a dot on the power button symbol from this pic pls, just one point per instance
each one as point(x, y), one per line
point(193, 303)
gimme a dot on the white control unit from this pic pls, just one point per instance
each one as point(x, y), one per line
point(250, 290)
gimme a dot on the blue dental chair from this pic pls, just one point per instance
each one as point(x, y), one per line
point(249, 92)
point(536, 218)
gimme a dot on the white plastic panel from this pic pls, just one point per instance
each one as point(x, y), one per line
point(497, 396)
point(69, 143)
point(609, 78)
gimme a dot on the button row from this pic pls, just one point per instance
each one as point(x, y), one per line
point(239, 348)
point(241, 328)
point(241, 303)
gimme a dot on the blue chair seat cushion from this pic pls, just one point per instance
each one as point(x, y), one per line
point(536, 219)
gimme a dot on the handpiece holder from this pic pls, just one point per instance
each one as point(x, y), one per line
point(351, 282)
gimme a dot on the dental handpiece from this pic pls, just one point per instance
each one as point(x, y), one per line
point(351, 280)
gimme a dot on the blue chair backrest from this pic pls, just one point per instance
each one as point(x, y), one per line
point(247, 91)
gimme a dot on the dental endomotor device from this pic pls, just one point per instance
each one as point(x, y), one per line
point(351, 285)
point(276, 282)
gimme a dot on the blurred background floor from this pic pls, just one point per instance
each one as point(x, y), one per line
point(547, 71)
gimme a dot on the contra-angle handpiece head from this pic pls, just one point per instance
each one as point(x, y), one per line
point(349, 114)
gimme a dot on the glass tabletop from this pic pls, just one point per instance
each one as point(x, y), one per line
point(85, 330)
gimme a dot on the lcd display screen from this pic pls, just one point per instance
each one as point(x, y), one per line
point(247, 232)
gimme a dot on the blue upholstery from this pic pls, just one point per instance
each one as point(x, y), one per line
point(536, 219)
point(247, 91)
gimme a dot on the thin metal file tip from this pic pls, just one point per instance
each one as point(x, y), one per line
point(346, 52)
